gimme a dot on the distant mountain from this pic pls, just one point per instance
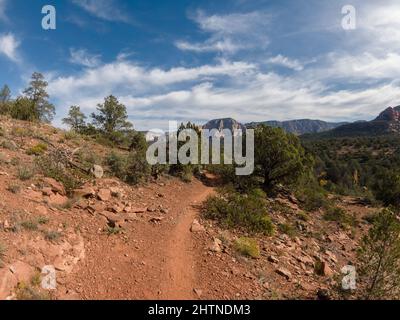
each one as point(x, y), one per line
point(300, 127)
point(225, 123)
point(388, 122)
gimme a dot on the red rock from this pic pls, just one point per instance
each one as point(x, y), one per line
point(85, 192)
point(55, 185)
point(57, 200)
point(104, 194)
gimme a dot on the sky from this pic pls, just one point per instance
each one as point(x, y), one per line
point(197, 60)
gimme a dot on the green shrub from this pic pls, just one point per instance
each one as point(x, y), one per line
point(25, 173)
point(287, 229)
point(247, 247)
point(29, 292)
point(38, 149)
point(52, 235)
point(378, 269)
point(9, 144)
point(117, 164)
point(237, 210)
point(30, 225)
point(339, 215)
point(311, 198)
point(54, 168)
point(14, 188)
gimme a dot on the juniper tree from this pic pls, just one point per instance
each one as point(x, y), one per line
point(75, 119)
point(111, 118)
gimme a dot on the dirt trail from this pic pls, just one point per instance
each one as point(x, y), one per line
point(179, 281)
point(150, 261)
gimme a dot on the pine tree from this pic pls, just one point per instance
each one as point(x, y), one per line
point(37, 94)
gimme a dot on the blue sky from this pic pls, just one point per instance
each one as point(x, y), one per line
point(196, 60)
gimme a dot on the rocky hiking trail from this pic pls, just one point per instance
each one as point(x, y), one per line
point(153, 260)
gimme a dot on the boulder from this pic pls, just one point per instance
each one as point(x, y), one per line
point(196, 226)
point(55, 185)
point(97, 171)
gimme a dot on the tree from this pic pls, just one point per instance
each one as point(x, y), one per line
point(75, 119)
point(279, 157)
point(43, 110)
point(5, 97)
point(23, 109)
point(5, 94)
point(112, 117)
point(379, 257)
point(386, 187)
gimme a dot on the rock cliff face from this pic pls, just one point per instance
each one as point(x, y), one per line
point(226, 123)
point(388, 122)
point(389, 114)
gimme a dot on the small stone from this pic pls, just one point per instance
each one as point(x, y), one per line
point(216, 246)
point(198, 292)
point(273, 259)
point(284, 273)
point(196, 226)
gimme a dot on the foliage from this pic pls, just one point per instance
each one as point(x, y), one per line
point(339, 215)
point(387, 187)
point(53, 166)
point(5, 100)
point(41, 108)
point(111, 117)
point(25, 173)
point(131, 168)
point(237, 210)
point(247, 247)
point(379, 256)
point(75, 119)
point(38, 149)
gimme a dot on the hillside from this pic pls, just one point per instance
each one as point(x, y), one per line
point(386, 123)
point(107, 239)
point(300, 127)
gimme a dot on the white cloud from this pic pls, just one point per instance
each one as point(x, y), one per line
point(8, 46)
point(103, 9)
point(286, 62)
point(230, 33)
point(84, 58)
point(124, 75)
point(228, 89)
point(364, 66)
